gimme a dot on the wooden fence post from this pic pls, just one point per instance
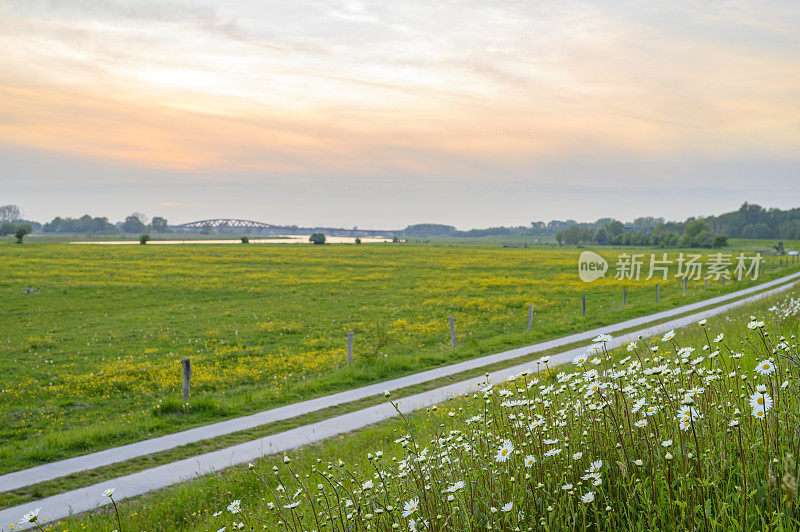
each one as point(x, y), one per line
point(186, 362)
point(684, 286)
point(723, 279)
point(706, 286)
point(624, 297)
point(452, 330)
point(584, 306)
point(530, 318)
point(656, 292)
point(350, 336)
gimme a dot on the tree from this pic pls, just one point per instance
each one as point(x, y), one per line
point(142, 218)
point(317, 238)
point(143, 239)
point(720, 241)
point(358, 240)
point(133, 224)
point(22, 230)
point(7, 228)
point(159, 224)
point(245, 240)
point(9, 213)
point(779, 249)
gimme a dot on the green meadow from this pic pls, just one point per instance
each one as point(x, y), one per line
point(91, 360)
point(727, 471)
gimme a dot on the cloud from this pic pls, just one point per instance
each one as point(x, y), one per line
point(407, 93)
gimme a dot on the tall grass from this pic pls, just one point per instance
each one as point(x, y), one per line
point(670, 436)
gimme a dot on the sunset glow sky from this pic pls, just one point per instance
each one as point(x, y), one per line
point(382, 114)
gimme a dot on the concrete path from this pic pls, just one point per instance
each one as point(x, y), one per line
point(83, 499)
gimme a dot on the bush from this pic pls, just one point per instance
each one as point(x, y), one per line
point(144, 239)
point(245, 240)
point(22, 230)
point(358, 240)
point(720, 241)
point(317, 238)
point(7, 228)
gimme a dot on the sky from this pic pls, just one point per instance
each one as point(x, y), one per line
point(383, 114)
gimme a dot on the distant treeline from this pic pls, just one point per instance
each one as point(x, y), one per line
point(750, 221)
point(692, 234)
point(87, 224)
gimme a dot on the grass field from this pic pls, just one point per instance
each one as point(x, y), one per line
point(652, 487)
point(92, 360)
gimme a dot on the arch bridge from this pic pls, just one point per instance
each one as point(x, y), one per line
point(224, 223)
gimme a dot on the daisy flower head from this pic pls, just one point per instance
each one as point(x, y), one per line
point(235, 507)
point(765, 367)
point(595, 467)
point(292, 505)
point(602, 339)
point(455, 487)
point(694, 392)
point(587, 498)
point(592, 388)
point(109, 492)
point(688, 412)
point(507, 507)
point(553, 452)
point(642, 423)
point(410, 507)
point(631, 346)
point(529, 461)
point(30, 517)
point(669, 335)
point(577, 456)
point(638, 405)
point(761, 403)
point(580, 360)
point(755, 324)
point(505, 451)
point(594, 349)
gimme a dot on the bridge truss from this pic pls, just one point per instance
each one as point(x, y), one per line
point(224, 224)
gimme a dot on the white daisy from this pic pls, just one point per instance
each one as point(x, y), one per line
point(30, 517)
point(410, 507)
point(765, 367)
point(505, 451)
point(588, 497)
point(455, 487)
